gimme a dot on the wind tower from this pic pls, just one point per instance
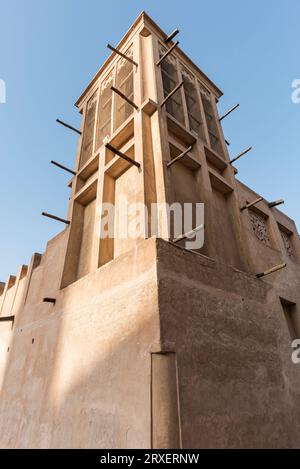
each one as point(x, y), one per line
point(125, 342)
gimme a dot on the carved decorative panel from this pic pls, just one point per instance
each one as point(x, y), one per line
point(123, 62)
point(259, 226)
point(211, 121)
point(88, 132)
point(192, 102)
point(124, 83)
point(187, 75)
point(171, 59)
point(204, 91)
point(170, 79)
point(287, 242)
point(104, 110)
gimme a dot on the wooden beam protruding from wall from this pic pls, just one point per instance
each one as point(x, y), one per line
point(251, 204)
point(59, 165)
point(271, 271)
point(49, 300)
point(166, 54)
point(7, 318)
point(177, 158)
point(54, 217)
point(189, 234)
point(122, 155)
point(171, 94)
point(68, 126)
point(171, 36)
point(123, 96)
point(275, 203)
point(240, 155)
point(229, 112)
point(122, 55)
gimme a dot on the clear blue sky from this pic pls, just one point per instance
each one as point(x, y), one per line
point(50, 49)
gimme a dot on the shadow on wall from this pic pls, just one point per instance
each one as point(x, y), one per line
point(78, 374)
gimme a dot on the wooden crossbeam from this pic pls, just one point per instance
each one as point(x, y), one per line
point(251, 204)
point(171, 94)
point(124, 97)
point(229, 112)
point(7, 318)
point(189, 234)
point(171, 36)
point(63, 167)
point(240, 155)
point(179, 156)
point(275, 203)
point(49, 300)
point(227, 143)
point(271, 271)
point(122, 55)
point(167, 53)
point(122, 155)
point(54, 217)
point(68, 126)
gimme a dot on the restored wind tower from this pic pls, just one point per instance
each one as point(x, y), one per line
point(151, 104)
point(121, 342)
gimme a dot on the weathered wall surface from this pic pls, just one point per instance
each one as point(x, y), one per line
point(77, 374)
point(237, 384)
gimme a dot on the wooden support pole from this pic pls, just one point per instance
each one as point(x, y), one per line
point(240, 155)
point(167, 53)
point(171, 94)
point(227, 143)
point(49, 300)
point(189, 234)
point(179, 156)
point(124, 97)
point(122, 155)
point(229, 112)
point(275, 203)
point(171, 36)
point(270, 271)
point(68, 126)
point(7, 318)
point(122, 55)
point(252, 203)
point(63, 167)
point(45, 214)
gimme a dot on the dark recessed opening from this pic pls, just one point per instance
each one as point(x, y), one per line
point(292, 318)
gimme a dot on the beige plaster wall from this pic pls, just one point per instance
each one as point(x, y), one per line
point(86, 245)
point(78, 373)
point(237, 384)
